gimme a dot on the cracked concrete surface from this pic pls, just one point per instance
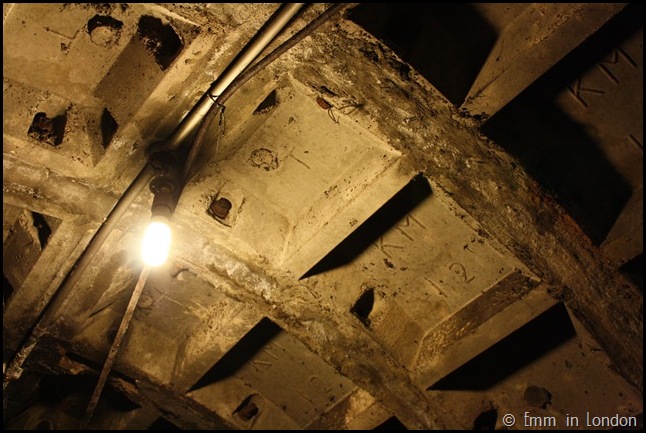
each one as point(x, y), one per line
point(397, 251)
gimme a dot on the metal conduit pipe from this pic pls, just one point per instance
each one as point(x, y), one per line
point(197, 143)
point(195, 116)
point(244, 77)
point(190, 121)
point(14, 370)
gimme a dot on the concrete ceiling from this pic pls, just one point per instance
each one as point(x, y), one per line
point(435, 218)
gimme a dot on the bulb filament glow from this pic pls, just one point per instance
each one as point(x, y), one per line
point(156, 243)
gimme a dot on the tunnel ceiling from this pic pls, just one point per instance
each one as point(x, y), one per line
point(421, 216)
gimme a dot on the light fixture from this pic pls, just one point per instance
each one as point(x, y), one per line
point(157, 237)
point(156, 243)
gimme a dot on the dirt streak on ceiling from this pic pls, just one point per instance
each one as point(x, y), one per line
point(420, 216)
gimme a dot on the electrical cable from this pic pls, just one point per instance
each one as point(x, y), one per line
point(246, 76)
point(211, 114)
point(145, 175)
point(278, 21)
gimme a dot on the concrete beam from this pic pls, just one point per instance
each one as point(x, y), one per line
point(358, 411)
point(42, 190)
point(47, 273)
point(514, 302)
point(530, 45)
point(180, 410)
point(300, 180)
point(490, 186)
point(332, 335)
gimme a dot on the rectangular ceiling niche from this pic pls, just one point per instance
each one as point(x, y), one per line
point(572, 128)
point(316, 176)
point(523, 347)
point(301, 384)
point(430, 37)
point(418, 260)
point(544, 367)
point(69, 132)
point(25, 237)
point(139, 68)
point(104, 61)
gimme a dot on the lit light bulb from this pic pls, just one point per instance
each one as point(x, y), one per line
point(156, 244)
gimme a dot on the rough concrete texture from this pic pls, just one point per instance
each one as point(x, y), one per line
point(528, 46)
point(352, 249)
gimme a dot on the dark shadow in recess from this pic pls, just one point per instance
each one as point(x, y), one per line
point(160, 40)
point(523, 347)
point(240, 354)
point(162, 423)
point(417, 190)
point(103, 21)
point(363, 307)
point(7, 291)
point(270, 102)
point(431, 37)
point(85, 361)
point(248, 409)
point(392, 423)
point(44, 230)
point(486, 420)
point(559, 152)
point(54, 390)
point(108, 127)
point(633, 269)
point(565, 160)
point(46, 130)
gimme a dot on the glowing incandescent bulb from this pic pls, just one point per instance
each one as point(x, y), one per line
point(156, 244)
